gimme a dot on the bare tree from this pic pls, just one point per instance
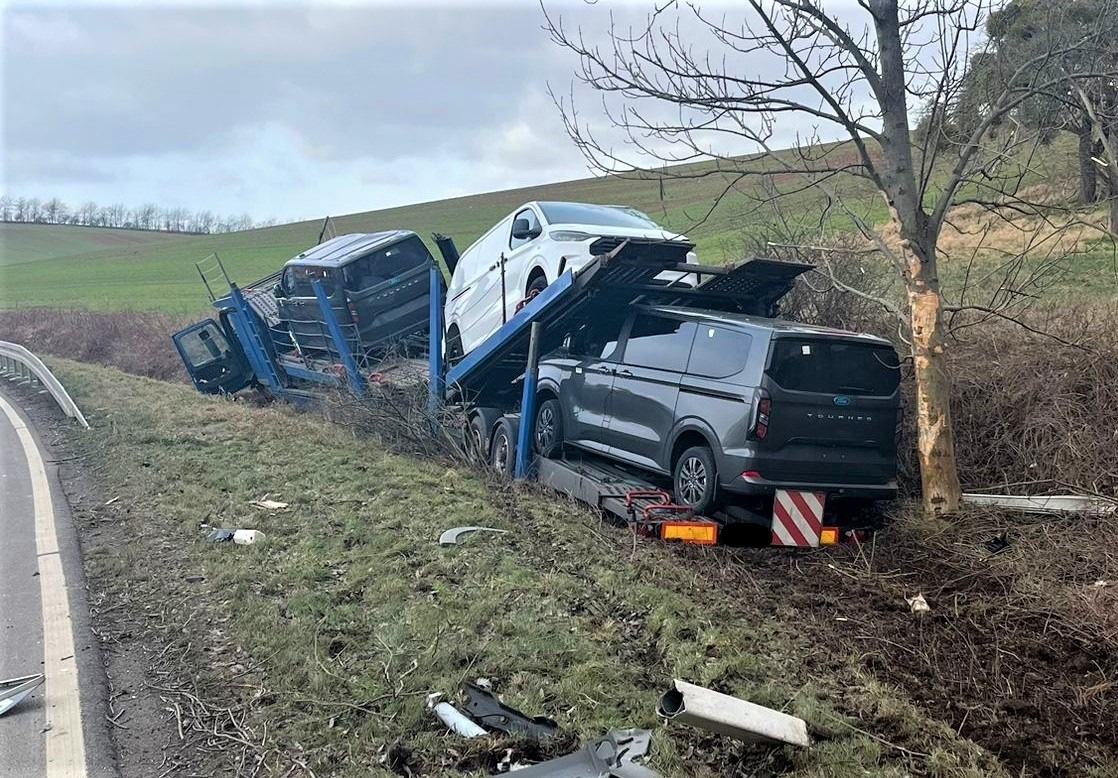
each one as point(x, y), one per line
point(856, 77)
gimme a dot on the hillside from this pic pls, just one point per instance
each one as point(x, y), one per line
point(32, 242)
point(160, 275)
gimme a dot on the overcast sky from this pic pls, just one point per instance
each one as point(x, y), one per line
point(286, 110)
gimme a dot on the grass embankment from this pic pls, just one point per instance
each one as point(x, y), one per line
point(317, 648)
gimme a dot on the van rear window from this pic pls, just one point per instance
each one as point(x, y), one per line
point(834, 367)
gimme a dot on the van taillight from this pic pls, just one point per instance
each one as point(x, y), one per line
point(761, 423)
point(354, 316)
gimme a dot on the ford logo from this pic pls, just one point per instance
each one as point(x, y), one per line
point(841, 400)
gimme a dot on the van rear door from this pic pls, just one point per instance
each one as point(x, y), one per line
point(832, 407)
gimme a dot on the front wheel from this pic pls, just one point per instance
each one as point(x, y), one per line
point(548, 438)
point(695, 479)
point(454, 352)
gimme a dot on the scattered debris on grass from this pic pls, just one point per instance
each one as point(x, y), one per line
point(614, 754)
point(485, 708)
point(451, 536)
point(457, 721)
point(722, 714)
point(269, 505)
point(242, 537)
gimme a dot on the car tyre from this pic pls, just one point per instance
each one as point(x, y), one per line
point(695, 479)
point(502, 454)
point(454, 351)
point(537, 284)
point(547, 436)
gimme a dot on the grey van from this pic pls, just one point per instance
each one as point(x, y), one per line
point(729, 406)
point(377, 282)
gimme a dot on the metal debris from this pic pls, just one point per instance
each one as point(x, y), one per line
point(451, 536)
point(15, 690)
point(613, 754)
point(727, 715)
point(484, 707)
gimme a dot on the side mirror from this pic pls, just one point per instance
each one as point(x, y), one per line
point(277, 291)
point(522, 231)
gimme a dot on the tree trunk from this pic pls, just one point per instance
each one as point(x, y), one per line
point(1088, 173)
point(935, 436)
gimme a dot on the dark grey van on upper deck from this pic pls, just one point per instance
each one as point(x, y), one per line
point(378, 282)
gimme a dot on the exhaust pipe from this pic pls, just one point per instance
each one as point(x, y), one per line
point(726, 715)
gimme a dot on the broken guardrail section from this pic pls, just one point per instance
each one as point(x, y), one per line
point(19, 364)
point(726, 715)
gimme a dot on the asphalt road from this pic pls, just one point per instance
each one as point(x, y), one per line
point(59, 732)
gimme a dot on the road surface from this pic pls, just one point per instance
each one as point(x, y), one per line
point(44, 619)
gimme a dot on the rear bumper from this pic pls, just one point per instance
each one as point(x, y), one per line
point(765, 487)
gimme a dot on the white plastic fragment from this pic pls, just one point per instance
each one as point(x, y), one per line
point(726, 715)
point(269, 505)
point(247, 537)
point(457, 721)
point(450, 537)
point(918, 604)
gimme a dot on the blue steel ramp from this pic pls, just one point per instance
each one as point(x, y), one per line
point(489, 374)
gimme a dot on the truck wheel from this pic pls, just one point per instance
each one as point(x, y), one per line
point(502, 456)
point(478, 442)
point(548, 436)
point(695, 480)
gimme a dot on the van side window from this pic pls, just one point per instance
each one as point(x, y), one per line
point(298, 279)
point(719, 352)
point(533, 223)
point(659, 342)
point(596, 340)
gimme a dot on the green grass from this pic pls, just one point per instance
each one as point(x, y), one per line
point(351, 613)
point(21, 243)
point(161, 275)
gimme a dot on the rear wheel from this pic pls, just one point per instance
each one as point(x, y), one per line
point(695, 479)
point(478, 440)
point(502, 456)
point(548, 437)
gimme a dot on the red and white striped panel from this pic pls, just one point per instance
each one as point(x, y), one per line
point(797, 518)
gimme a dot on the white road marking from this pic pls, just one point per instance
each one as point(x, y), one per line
point(65, 744)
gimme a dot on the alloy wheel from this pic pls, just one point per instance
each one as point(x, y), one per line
point(692, 481)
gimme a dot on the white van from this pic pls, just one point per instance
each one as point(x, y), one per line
point(536, 244)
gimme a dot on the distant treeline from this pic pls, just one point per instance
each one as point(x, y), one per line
point(32, 210)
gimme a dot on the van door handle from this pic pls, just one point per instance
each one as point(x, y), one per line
point(624, 373)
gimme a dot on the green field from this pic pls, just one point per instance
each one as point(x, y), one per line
point(30, 242)
point(70, 267)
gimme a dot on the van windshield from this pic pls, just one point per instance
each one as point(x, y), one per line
point(834, 367)
point(599, 215)
point(376, 268)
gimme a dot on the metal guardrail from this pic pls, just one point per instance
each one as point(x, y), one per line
point(20, 365)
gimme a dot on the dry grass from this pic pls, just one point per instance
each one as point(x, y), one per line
point(135, 342)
